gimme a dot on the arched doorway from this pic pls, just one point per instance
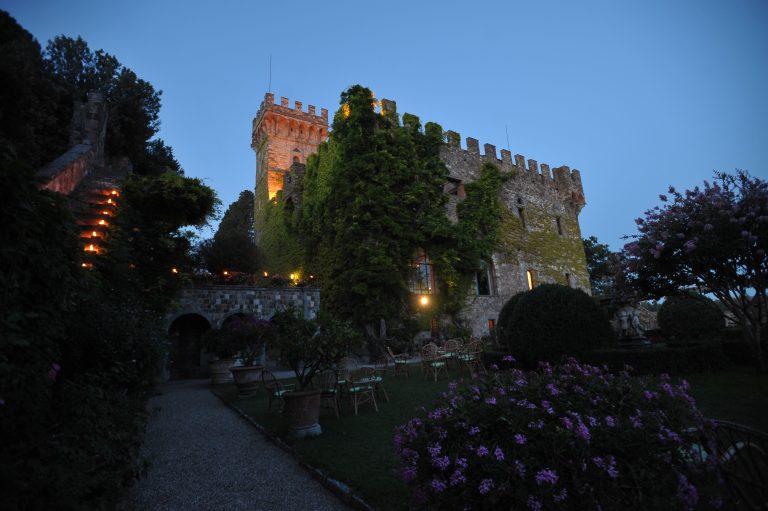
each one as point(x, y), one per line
point(185, 354)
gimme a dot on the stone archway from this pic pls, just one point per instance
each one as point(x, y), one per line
point(185, 355)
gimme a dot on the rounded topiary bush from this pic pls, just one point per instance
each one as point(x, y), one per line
point(690, 316)
point(574, 437)
point(504, 328)
point(553, 320)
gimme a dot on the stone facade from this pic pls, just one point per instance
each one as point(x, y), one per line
point(217, 303)
point(86, 152)
point(282, 136)
point(541, 239)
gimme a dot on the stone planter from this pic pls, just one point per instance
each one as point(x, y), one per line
point(302, 413)
point(247, 379)
point(220, 370)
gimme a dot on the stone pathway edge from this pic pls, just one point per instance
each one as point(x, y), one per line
point(341, 490)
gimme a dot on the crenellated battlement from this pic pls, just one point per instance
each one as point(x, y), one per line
point(296, 111)
point(560, 178)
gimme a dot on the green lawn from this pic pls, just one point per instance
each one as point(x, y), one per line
point(738, 394)
point(358, 451)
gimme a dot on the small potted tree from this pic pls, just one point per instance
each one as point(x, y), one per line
point(250, 334)
point(309, 346)
point(220, 344)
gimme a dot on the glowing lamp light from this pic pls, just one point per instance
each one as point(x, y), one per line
point(174, 270)
point(226, 273)
point(293, 276)
point(91, 248)
point(94, 234)
point(113, 192)
point(266, 274)
point(105, 212)
point(87, 265)
point(102, 222)
point(424, 300)
point(109, 201)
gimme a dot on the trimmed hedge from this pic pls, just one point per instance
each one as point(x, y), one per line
point(552, 321)
point(690, 316)
point(657, 359)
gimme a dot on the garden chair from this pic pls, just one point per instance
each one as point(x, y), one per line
point(451, 351)
point(399, 362)
point(361, 387)
point(471, 357)
point(432, 362)
point(329, 383)
point(275, 389)
point(380, 371)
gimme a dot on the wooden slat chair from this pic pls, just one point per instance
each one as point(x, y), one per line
point(275, 389)
point(399, 362)
point(361, 387)
point(432, 362)
point(471, 357)
point(329, 390)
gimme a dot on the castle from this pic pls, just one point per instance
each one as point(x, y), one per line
point(541, 240)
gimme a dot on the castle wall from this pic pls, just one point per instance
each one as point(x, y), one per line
point(546, 239)
point(216, 303)
point(86, 151)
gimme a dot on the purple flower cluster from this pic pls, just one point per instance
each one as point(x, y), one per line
point(576, 456)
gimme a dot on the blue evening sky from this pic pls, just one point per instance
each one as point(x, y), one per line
point(637, 95)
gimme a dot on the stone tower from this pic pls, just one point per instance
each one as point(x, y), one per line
point(282, 136)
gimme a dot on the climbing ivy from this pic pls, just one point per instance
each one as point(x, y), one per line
point(373, 198)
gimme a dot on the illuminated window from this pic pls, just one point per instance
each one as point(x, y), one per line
point(484, 279)
point(559, 225)
point(423, 275)
point(491, 325)
point(531, 275)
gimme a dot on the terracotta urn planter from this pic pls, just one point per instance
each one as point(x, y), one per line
point(302, 413)
point(220, 370)
point(247, 379)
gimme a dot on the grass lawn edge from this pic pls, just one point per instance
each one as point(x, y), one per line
point(338, 488)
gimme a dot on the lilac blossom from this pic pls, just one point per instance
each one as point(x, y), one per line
point(482, 451)
point(499, 454)
point(485, 486)
point(533, 504)
point(546, 476)
point(519, 439)
point(438, 486)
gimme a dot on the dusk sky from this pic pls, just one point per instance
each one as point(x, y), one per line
point(636, 95)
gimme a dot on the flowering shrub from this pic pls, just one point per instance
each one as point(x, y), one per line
point(573, 437)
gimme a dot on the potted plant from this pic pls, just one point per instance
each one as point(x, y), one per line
point(309, 347)
point(250, 334)
point(220, 344)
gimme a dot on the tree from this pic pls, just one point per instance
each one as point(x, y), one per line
point(134, 105)
point(233, 246)
point(713, 238)
point(601, 265)
point(34, 109)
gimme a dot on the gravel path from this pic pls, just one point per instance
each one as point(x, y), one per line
point(204, 457)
